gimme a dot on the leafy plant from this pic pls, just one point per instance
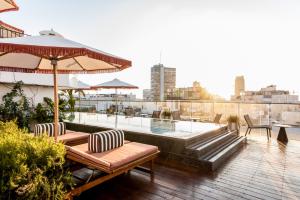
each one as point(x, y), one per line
point(71, 99)
point(31, 167)
point(44, 112)
point(166, 113)
point(15, 106)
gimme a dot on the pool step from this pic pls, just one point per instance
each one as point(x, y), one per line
point(216, 159)
point(212, 152)
point(212, 143)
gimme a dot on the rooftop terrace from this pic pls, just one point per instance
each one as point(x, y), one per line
point(261, 170)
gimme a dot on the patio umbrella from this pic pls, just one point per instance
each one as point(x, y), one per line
point(115, 84)
point(51, 53)
point(80, 87)
point(8, 5)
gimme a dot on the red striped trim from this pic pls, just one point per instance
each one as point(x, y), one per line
point(61, 52)
point(50, 71)
point(15, 7)
point(8, 26)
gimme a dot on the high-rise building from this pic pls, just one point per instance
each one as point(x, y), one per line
point(163, 79)
point(239, 86)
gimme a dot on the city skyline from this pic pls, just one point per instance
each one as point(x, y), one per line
point(204, 42)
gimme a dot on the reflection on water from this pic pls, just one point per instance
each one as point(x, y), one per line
point(178, 129)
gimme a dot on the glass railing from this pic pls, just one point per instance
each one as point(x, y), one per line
point(263, 113)
point(260, 113)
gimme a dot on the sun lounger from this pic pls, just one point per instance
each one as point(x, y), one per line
point(113, 162)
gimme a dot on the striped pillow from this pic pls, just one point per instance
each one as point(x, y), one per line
point(106, 140)
point(48, 128)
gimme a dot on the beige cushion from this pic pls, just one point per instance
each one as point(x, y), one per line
point(114, 158)
point(72, 136)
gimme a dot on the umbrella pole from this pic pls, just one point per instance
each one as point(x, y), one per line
point(116, 91)
point(54, 64)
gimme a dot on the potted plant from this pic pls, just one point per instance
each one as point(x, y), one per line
point(233, 122)
point(166, 114)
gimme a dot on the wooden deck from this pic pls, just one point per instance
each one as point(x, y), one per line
point(261, 170)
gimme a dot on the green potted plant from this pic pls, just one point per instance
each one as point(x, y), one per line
point(233, 122)
point(166, 114)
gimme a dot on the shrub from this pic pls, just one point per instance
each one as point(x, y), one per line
point(31, 167)
point(15, 106)
point(44, 112)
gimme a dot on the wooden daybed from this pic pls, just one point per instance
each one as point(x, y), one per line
point(113, 162)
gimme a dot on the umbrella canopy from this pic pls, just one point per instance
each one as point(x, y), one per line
point(83, 86)
point(7, 5)
point(33, 54)
point(115, 84)
point(79, 85)
point(52, 53)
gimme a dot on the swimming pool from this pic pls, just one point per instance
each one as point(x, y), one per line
point(167, 128)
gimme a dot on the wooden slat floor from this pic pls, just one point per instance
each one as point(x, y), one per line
point(261, 170)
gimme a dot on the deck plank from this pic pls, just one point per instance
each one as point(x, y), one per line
point(261, 170)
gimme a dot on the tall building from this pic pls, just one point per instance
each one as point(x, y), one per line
point(163, 79)
point(239, 86)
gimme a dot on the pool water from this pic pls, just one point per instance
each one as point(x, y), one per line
point(177, 129)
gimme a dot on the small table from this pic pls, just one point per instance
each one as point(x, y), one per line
point(282, 136)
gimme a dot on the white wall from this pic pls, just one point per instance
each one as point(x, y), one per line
point(36, 86)
point(38, 79)
point(35, 94)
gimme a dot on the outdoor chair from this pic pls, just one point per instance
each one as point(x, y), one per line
point(156, 114)
point(176, 115)
point(110, 157)
point(217, 118)
point(67, 137)
point(252, 126)
point(129, 112)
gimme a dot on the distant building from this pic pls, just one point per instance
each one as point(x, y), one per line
point(196, 92)
point(269, 94)
point(101, 102)
point(109, 97)
point(239, 87)
point(163, 79)
point(147, 95)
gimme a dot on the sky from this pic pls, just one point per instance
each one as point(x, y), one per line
point(210, 41)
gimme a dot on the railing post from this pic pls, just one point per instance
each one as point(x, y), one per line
point(270, 123)
point(191, 110)
point(239, 113)
point(213, 110)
